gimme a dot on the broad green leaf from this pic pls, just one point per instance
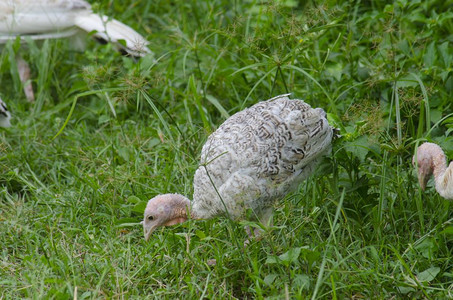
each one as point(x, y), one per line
point(435, 115)
point(286, 258)
point(133, 199)
point(359, 147)
point(444, 75)
point(335, 71)
point(272, 259)
point(103, 119)
point(448, 230)
point(430, 55)
point(405, 289)
point(302, 281)
point(200, 234)
point(124, 153)
point(291, 255)
point(140, 207)
point(444, 53)
point(427, 248)
point(428, 274)
point(403, 45)
point(310, 256)
point(269, 279)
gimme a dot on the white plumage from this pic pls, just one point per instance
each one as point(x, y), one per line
point(50, 19)
point(5, 115)
point(254, 158)
point(44, 19)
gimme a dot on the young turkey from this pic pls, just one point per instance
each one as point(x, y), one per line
point(430, 159)
point(5, 115)
point(253, 159)
point(48, 19)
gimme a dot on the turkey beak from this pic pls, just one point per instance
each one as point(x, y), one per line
point(422, 173)
point(422, 178)
point(148, 230)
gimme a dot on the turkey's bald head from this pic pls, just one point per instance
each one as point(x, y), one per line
point(424, 160)
point(164, 210)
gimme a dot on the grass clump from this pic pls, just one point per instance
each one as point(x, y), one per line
point(359, 228)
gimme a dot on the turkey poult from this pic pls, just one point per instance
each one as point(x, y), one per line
point(253, 159)
point(5, 115)
point(430, 159)
point(48, 19)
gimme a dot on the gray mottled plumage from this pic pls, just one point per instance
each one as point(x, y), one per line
point(259, 155)
point(5, 115)
point(253, 159)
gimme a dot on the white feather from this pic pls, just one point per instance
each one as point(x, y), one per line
point(42, 19)
point(113, 31)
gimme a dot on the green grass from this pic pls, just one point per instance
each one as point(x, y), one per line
point(359, 228)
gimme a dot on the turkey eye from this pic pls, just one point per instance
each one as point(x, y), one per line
point(150, 218)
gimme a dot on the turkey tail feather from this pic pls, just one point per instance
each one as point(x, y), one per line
point(111, 30)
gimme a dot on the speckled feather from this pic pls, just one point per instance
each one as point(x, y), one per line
point(259, 155)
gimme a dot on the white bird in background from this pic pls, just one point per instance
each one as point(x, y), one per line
point(5, 115)
point(430, 159)
point(46, 19)
point(253, 159)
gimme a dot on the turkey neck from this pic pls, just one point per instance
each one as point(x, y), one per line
point(184, 209)
point(439, 163)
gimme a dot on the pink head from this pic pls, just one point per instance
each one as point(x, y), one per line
point(425, 162)
point(164, 210)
